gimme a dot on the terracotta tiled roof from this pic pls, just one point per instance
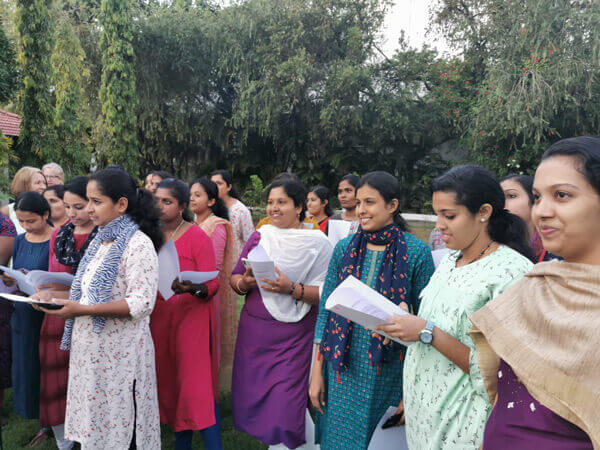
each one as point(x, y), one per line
point(10, 123)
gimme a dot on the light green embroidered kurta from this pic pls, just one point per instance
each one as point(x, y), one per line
point(445, 407)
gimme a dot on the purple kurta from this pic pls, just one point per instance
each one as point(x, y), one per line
point(520, 422)
point(271, 370)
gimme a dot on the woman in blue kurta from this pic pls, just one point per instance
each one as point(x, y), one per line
point(356, 375)
point(30, 252)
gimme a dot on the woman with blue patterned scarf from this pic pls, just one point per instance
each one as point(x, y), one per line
point(112, 400)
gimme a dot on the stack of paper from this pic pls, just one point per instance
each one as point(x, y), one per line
point(337, 230)
point(28, 283)
point(363, 305)
point(21, 299)
point(168, 271)
point(262, 266)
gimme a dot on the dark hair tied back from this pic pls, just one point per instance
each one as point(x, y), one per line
point(181, 192)
point(389, 188)
point(295, 190)
point(117, 184)
point(474, 186)
point(212, 192)
point(323, 193)
point(33, 202)
point(78, 186)
point(526, 182)
point(228, 179)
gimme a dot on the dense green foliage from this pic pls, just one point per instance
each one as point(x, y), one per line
point(35, 42)
point(8, 68)
point(265, 86)
point(117, 139)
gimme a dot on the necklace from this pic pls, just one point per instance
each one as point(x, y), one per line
point(176, 229)
point(478, 256)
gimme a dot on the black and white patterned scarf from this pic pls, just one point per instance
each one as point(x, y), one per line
point(64, 247)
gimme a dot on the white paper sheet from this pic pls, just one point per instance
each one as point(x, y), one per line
point(393, 438)
point(337, 230)
point(168, 269)
point(361, 304)
point(198, 277)
point(21, 299)
point(24, 285)
point(40, 277)
point(261, 264)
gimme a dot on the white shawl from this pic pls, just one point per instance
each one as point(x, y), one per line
point(303, 256)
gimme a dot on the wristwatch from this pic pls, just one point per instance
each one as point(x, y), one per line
point(426, 334)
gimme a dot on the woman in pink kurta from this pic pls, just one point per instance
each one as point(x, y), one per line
point(211, 216)
point(183, 328)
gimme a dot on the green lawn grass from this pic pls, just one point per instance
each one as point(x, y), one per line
point(17, 432)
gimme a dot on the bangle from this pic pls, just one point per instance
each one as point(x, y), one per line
point(238, 289)
point(292, 289)
point(302, 293)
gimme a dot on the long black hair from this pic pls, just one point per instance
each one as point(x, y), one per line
point(228, 180)
point(389, 188)
point(181, 192)
point(475, 186)
point(78, 185)
point(526, 182)
point(295, 190)
point(212, 192)
point(117, 184)
point(323, 193)
point(33, 202)
point(586, 149)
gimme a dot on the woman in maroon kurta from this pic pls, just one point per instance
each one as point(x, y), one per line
point(186, 356)
point(67, 246)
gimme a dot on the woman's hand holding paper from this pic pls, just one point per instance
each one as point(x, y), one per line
point(406, 327)
point(281, 285)
point(248, 280)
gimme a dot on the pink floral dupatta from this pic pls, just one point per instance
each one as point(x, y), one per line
point(225, 304)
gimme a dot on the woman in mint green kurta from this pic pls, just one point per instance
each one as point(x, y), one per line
point(446, 407)
point(357, 396)
point(445, 403)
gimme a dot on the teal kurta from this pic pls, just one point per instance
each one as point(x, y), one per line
point(445, 408)
point(355, 405)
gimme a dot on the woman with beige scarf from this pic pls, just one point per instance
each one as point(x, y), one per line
point(538, 344)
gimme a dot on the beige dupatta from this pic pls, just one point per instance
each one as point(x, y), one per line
point(226, 309)
point(546, 328)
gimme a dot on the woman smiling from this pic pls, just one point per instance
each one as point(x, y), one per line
point(538, 343)
point(273, 349)
point(357, 375)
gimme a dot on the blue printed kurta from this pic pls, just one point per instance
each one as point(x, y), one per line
point(355, 405)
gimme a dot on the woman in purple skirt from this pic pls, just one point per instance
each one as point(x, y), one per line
point(274, 343)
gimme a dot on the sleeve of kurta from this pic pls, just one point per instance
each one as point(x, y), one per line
point(247, 227)
point(219, 241)
point(422, 270)
point(252, 242)
point(331, 282)
point(141, 276)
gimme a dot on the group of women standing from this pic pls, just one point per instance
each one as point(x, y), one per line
point(501, 353)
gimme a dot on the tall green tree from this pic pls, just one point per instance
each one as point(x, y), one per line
point(118, 132)
point(35, 42)
point(71, 123)
point(8, 67)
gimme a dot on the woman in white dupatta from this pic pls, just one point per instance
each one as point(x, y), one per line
point(273, 349)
